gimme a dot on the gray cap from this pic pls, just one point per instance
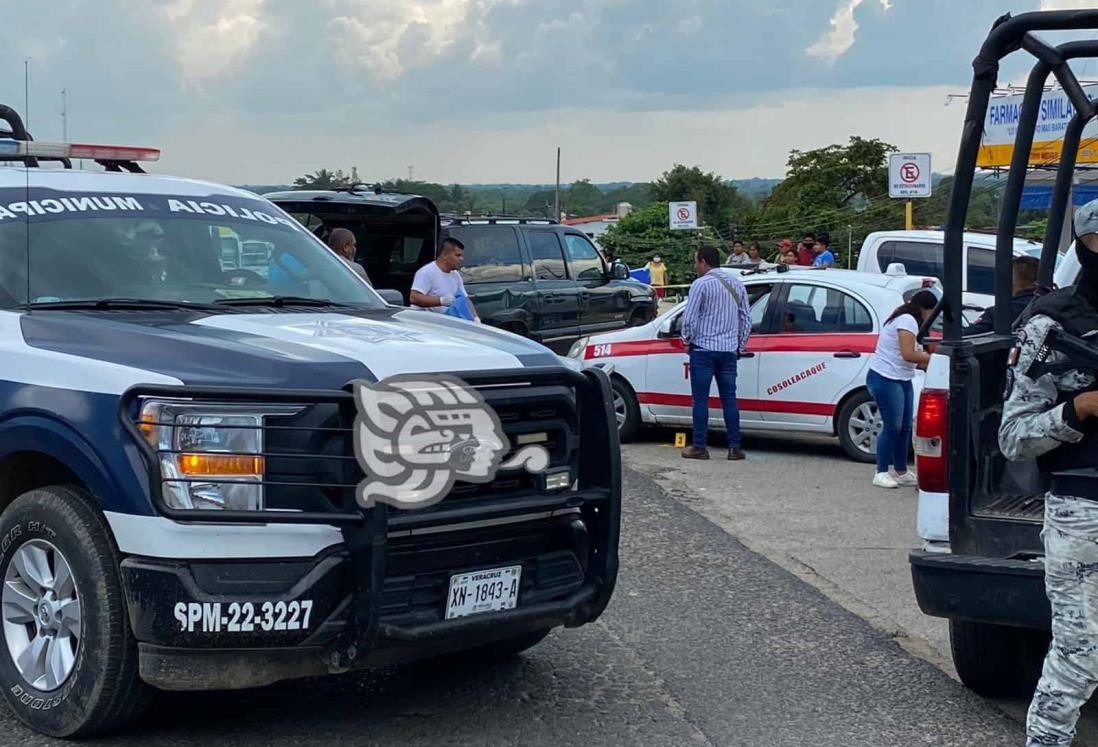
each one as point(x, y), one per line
point(1086, 219)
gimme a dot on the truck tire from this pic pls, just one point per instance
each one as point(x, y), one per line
point(68, 659)
point(626, 410)
point(997, 661)
point(857, 426)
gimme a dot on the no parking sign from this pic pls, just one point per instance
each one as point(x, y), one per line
point(909, 175)
point(683, 215)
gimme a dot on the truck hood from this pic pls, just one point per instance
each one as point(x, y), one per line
point(280, 349)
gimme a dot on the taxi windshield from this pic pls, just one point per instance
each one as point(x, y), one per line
point(62, 247)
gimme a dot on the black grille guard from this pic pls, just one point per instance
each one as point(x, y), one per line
point(599, 456)
point(365, 531)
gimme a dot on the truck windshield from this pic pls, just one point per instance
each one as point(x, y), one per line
point(62, 246)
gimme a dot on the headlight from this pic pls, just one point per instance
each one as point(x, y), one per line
point(211, 456)
point(576, 351)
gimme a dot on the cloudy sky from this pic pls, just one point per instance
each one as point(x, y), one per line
point(260, 91)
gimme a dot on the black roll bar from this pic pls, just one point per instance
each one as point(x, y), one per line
point(1008, 35)
point(19, 131)
point(1061, 194)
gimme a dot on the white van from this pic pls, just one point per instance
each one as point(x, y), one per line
point(921, 254)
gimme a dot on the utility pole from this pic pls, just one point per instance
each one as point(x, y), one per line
point(26, 94)
point(849, 245)
point(411, 172)
point(64, 119)
point(557, 201)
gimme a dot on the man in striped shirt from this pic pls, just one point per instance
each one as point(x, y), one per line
point(715, 328)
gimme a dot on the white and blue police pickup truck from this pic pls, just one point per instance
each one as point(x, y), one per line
point(204, 482)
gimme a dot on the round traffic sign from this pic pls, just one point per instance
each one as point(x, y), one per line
point(684, 213)
point(909, 172)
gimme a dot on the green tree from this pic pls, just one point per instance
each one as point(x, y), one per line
point(582, 198)
point(637, 195)
point(719, 204)
point(436, 193)
point(461, 200)
point(646, 232)
point(540, 203)
point(325, 179)
point(840, 189)
point(983, 205)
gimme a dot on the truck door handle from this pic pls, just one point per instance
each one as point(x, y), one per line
point(747, 355)
point(848, 354)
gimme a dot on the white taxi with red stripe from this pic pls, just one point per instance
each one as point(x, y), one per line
point(804, 369)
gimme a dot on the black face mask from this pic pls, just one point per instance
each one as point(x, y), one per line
point(1087, 284)
point(1087, 259)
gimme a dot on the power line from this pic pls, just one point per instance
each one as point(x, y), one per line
point(841, 217)
point(875, 204)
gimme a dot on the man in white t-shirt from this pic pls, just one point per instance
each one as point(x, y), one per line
point(437, 283)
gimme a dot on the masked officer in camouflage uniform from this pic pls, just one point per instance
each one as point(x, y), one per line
point(1051, 415)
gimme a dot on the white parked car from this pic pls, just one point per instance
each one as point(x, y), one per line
point(805, 366)
point(921, 252)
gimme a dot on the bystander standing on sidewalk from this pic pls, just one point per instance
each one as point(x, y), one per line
point(806, 250)
point(738, 256)
point(824, 256)
point(891, 369)
point(657, 274)
point(715, 327)
point(784, 246)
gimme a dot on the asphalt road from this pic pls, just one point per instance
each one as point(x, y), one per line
point(705, 642)
point(799, 501)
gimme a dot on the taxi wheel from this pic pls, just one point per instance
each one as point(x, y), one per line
point(626, 410)
point(858, 426)
point(68, 661)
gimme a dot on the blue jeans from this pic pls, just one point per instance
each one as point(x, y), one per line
point(704, 365)
point(896, 402)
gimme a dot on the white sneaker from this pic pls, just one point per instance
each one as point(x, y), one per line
point(885, 480)
point(907, 479)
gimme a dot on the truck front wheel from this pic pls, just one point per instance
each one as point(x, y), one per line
point(997, 661)
point(68, 660)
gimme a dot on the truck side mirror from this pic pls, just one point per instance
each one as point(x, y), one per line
point(619, 270)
